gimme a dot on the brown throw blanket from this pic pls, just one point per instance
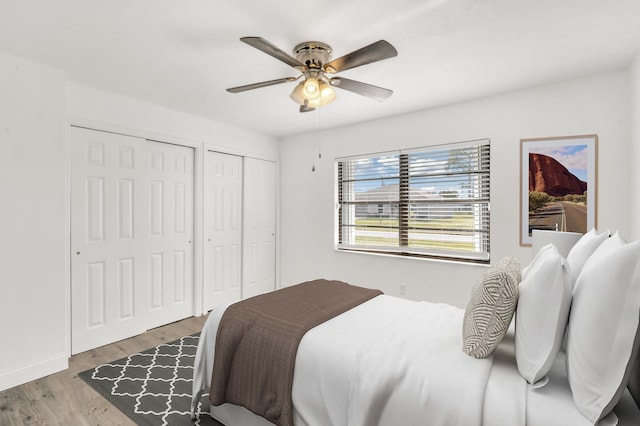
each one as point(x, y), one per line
point(258, 339)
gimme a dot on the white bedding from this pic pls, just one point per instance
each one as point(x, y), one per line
point(392, 361)
point(378, 376)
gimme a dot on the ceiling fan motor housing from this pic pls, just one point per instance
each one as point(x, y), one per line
point(313, 54)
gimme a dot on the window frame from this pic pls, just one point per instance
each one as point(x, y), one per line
point(345, 223)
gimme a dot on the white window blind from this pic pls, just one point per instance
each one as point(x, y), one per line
point(430, 202)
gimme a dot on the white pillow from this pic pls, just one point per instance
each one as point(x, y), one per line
point(544, 249)
point(581, 251)
point(602, 339)
point(604, 249)
point(542, 313)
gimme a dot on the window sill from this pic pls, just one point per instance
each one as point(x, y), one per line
point(429, 257)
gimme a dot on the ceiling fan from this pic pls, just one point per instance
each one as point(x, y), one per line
point(313, 60)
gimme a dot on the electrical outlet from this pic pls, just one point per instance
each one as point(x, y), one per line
point(403, 289)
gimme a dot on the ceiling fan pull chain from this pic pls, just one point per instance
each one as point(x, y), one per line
point(319, 135)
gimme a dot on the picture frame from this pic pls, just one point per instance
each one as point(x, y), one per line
point(558, 184)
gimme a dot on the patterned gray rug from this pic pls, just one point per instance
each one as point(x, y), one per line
point(153, 387)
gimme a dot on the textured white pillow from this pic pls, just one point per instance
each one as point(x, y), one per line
point(602, 339)
point(542, 313)
point(581, 251)
point(489, 312)
point(511, 266)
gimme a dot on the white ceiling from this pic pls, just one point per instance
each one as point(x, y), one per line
point(184, 54)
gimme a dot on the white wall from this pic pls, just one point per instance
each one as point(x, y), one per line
point(599, 105)
point(32, 221)
point(92, 106)
point(634, 155)
point(36, 105)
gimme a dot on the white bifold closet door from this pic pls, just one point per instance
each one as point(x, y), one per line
point(223, 229)
point(239, 223)
point(131, 236)
point(259, 243)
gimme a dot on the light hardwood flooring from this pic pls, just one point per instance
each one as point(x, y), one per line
point(65, 399)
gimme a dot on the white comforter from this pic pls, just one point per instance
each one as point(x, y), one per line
point(388, 378)
point(389, 361)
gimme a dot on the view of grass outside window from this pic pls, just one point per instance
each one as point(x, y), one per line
point(431, 202)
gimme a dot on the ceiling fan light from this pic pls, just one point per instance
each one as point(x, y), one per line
point(311, 89)
point(297, 95)
point(327, 94)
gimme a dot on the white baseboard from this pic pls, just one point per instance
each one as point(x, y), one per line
point(33, 372)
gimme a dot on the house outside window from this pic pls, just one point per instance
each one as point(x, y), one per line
point(427, 202)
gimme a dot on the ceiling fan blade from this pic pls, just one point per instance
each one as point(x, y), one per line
point(364, 89)
point(372, 53)
point(272, 50)
point(261, 84)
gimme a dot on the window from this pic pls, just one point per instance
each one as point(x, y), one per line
point(430, 202)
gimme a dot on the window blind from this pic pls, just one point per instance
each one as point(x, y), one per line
point(430, 201)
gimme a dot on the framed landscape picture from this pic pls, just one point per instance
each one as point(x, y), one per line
point(558, 184)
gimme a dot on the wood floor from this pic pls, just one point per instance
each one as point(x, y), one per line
point(65, 399)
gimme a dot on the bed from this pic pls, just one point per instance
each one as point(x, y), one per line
point(391, 361)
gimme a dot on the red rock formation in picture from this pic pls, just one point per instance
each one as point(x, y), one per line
point(546, 174)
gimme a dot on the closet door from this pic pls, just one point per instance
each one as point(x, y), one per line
point(258, 272)
point(106, 278)
point(168, 249)
point(131, 235)
point(223, 229)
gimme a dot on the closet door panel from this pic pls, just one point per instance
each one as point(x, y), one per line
point(106, 284)
point(223, 229)
point(169, 233)
point(259, 227)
